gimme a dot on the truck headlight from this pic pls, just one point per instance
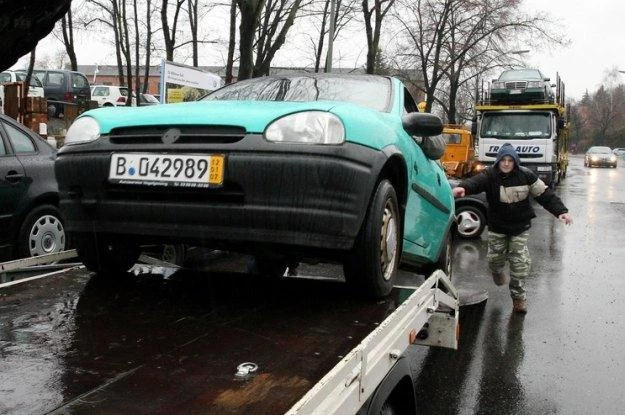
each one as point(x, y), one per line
point(83, 130)
point(308, 127)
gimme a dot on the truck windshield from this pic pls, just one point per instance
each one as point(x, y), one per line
point(516, 125)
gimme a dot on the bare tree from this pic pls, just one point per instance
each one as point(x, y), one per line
point(250, 11)
point(231, 41)
point(67, 27)
point(277, 18)
point(170, 31)
point(454, 40)
point(374, 15)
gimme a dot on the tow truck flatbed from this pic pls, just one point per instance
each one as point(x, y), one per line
point(171, 342)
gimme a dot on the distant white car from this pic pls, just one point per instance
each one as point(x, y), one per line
point(35, 89)
point(109, 95)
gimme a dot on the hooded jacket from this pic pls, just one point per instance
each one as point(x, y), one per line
point(509, 208)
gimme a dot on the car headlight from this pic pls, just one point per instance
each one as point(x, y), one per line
point(499, 85)
point(534, 84)
point(612, 158)
point(83, 130)
point(594, 158)
point(308, 127)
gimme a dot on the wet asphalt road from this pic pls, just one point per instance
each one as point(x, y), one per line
point(565, 356)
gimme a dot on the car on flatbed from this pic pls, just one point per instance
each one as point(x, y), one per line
point(308, 167)
point(30, 222)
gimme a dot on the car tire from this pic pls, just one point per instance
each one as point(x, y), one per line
point(106, 255)
point(42, 232)
point(371, 265)
point(470, 222)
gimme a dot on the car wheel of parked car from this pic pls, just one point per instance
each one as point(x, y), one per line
point(371, 266)
point(105, 255)
point(42, 232)
point(470, 222)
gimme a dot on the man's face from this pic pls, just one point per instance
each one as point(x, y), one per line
point(506, 164)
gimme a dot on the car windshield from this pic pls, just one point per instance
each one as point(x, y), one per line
point(516, 125)
point(372, 92)
point(520, 75)
point(599, 150)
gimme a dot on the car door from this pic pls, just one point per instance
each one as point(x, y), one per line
point(13, 188)
point(429, 203)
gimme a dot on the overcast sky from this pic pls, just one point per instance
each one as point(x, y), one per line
point(596, 30)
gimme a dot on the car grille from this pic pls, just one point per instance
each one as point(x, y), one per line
point(188, 134)
point(516, 85)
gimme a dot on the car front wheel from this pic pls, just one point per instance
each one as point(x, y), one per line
point(371, 265)
point(106, 255)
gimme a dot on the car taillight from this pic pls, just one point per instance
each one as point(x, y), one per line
point(68, 97)
point(121, 100)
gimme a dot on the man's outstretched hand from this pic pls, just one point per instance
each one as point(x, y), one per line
point(565, 218)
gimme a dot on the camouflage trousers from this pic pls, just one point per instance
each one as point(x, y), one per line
point(514, 250)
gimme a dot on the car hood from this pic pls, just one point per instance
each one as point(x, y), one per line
point(254, 116)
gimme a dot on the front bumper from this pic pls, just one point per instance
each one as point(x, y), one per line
point(278, 194)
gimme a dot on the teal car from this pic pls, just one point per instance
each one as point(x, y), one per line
point(288, 169)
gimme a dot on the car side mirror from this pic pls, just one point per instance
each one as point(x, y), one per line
point(423, 126)
point(474, 127)
point(547, 79)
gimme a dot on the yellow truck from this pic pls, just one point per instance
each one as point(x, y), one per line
point(459, 159)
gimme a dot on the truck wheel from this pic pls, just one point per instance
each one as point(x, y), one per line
point(106, 255)
point(42, 232)
point(470, 222)
point(371, 265)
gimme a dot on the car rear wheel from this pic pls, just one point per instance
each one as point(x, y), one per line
point(42, 232)
point(470, 222)
point(106, 255)
point(371, 265)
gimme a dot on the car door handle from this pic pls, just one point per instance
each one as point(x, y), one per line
point(13, 176)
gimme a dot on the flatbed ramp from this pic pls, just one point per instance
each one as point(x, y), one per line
point(163, 344)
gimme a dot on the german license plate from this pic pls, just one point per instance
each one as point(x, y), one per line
point(515, 91)
point(184, 170)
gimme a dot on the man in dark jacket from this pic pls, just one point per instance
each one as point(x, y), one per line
point(508, 186)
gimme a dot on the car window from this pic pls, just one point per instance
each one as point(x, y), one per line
point(123, 92)
point(149, 98)
point(40, 75)
point(5, 77)
point(3, 150)
point(19, 140)
point(409, 103)
point(100, 91)
point(599, 150)
point(55, 79)
point(452, 138)
point(34, 81)
point(520, 75)
point(79, 81)
point(374, 93)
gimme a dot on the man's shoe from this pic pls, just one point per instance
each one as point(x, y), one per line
point(519, 306)
point(499, 278)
